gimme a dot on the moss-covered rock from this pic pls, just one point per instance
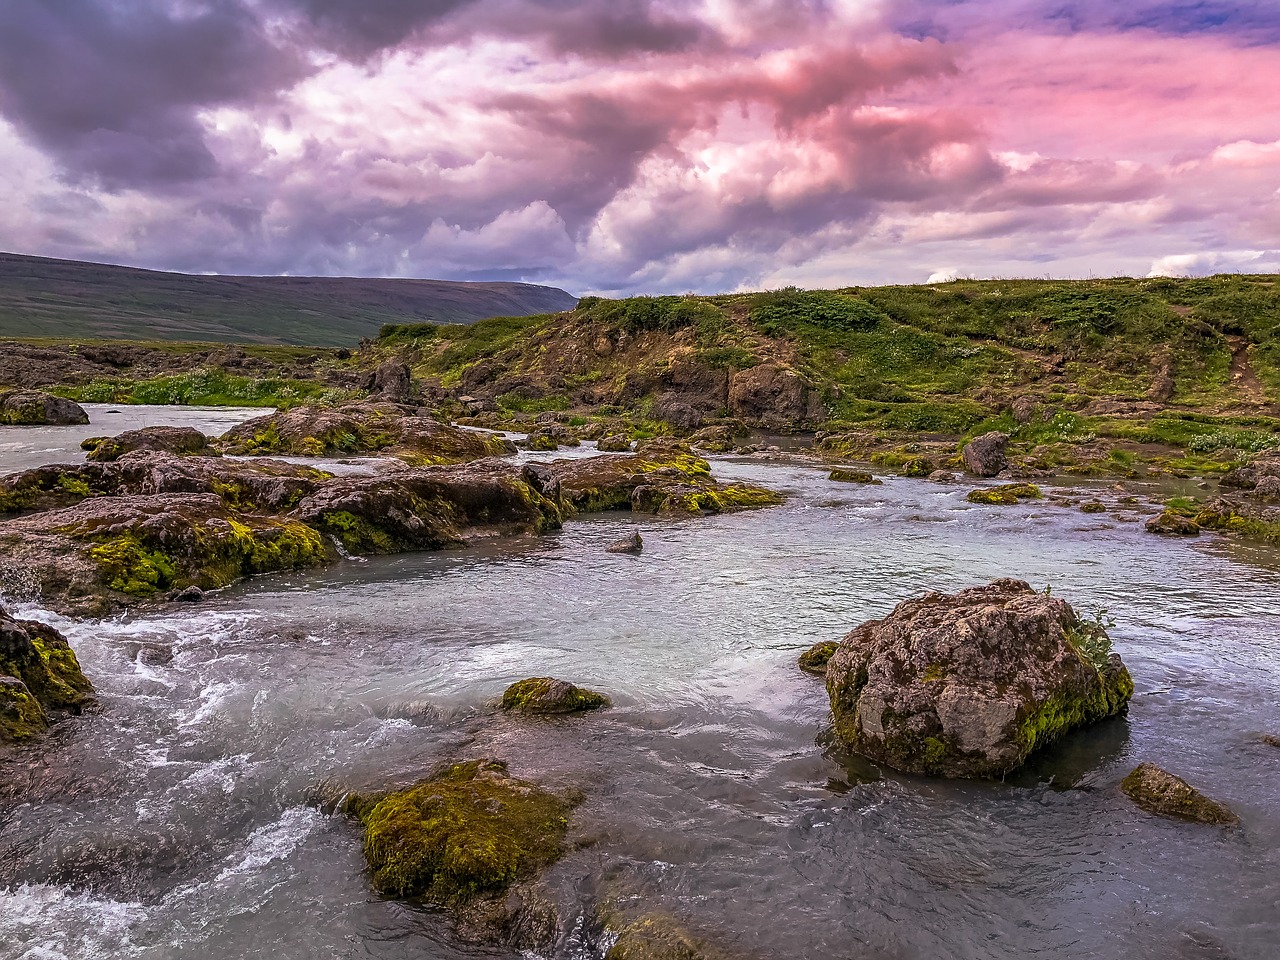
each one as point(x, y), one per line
point(814, 660)
point(852, 476)
point(40, 678)
point(970, 684)
point(364, 428)
point(633, 544)
point(180, 441)
point(545, 695)
point(1170, 523)
point(469, 832)
point(657, 936)
point(1005, 495)
point(1159, 791)
point(34, 408)
point(1093, 506)
point(614, 443)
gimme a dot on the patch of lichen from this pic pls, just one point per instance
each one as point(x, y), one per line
point(722, 499)
point(546, 695)
point(1006, 495)
point(814, 660)
point(470, 831)
point(44, 676)
point(274, 545)
point(43, 489)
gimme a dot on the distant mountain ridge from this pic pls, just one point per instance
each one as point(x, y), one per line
point(41, 297)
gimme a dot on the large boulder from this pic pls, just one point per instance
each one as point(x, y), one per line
point(34, 408)
point(392, 381)
point(987, 455)
point(180, 441)
point(40, 678)
point(970, 684)
point(546, 695)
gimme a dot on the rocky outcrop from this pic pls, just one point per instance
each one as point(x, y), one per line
point(970, 684)
point(1158, 791)
point(33, 408)
point(469, 839)
point(365, 428)
point(40, 679)
point(662, 477)
point(546, 695)
point(181, 441)
point(987, 455)
point(775, 397)
point(392, 381)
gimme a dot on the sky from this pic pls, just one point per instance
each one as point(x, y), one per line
point(645, 146)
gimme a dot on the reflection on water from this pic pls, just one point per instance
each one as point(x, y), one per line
point(187, 828)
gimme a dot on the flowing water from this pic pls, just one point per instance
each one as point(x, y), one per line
point(182, 819)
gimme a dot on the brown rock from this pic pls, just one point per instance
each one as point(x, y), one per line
point(1159, 791)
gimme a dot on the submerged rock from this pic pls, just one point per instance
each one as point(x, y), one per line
point(40, 678)
point(656, 936)
point(1159, 791)
point(464, 835)
point(969, 684)
point(546, 695)
point(362, 428)
point(1271, 740)
point(987, 455)
point(180, 441)
point(34, 408)
point(631, 544)
point(815, 659)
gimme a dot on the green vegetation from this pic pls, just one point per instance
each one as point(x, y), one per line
point(1006, 495)
point(547, 695)
point(40, 297)
point(470, 831)
point(205, 387)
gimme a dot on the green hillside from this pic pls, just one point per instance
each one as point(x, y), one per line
point(65, 298)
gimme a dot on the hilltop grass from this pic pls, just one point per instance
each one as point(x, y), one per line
point(205, 387)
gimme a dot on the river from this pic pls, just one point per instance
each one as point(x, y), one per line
point(184, 819)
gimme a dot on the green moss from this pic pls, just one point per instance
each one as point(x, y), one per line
point(470, 831)
point(21, 716)
point(852, 476)
point(814, 660)
point(356, 534)
point(722, 499)
point(74, 485)
point(1005, 495)
point(129, 567)
point(547, 695)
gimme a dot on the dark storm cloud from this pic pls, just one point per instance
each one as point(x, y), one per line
point(111, 89)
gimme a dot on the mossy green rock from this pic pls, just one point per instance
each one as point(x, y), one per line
point(1173, 524)
point(40, 678)
point(469, 832)
point(659, 937)
point(970, 684)
point(546, 695)
point(1158, 791)
point(815, 659)
point(852, 476)
point(1006, 495)
point(34, 408)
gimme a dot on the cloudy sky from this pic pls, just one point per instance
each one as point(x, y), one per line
point(644, 145)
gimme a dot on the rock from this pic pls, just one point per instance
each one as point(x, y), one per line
point(189, 595)
point(718, 439)
point(180, 441)
point(815, 659)
point(365, 428)
point(1270, 740)
point(1024, 410)
point(662, 477)
point(464, 835)
point(1171, 524)
point(1267, 488)
point(393, 381)
point(1093, 506)
point(1159, 791)
point(987, 455)
point(40, 678)
point(1006, 495)
point(34, 408)
point(614, 443)
point(549, 437)
point(774, 397)
point(852, 476)
point(545, 695)
point(970, 684)
point(631, 544)
point(942, 476)
point(659, 937)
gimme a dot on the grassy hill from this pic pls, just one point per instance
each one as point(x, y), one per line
point(64, 298)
